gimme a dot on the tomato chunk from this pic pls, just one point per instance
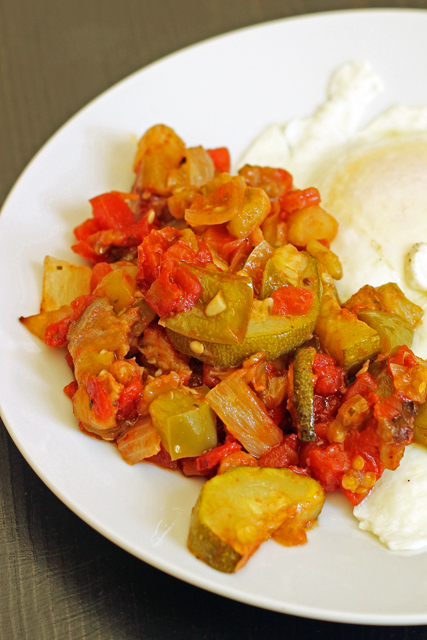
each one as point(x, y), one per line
point(221, 159)
point(328, 465)
point(283, 455)
point(299, 199)
point(211, 458)
point(330, 377)
point(100, 400)
point(110, 211)
point(291, 301)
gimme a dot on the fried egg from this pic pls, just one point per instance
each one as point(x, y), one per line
point(374, 181)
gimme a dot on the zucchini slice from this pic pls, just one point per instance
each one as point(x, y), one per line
point(238, 510)
point(273, 334)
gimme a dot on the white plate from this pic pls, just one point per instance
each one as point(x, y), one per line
point(222, 92)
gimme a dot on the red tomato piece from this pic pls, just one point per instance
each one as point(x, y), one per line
point(99, 271)
point(291, 301)
point(111, 211)
point(283, 455)
point(326, 408)
point(221, 159)
point(299, 199)
point(325, 243)
point(100, 400)
point(84, 249)
point(150, 253)
point(277, 413)
point(300, 470)
point(163, 459)
point(86, 229)
point(403, 356)
point(365, 443)
point(328, 465)
point(56, 333)
point(364, 448)
point(129, 398)
point(223, 243)
point(189, 468)
point(175, 290)
point(211, 458)
point(363, 385)
point(330, 377)
point(79, 305)
point(71, 388)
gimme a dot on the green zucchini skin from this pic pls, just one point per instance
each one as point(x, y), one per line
point(304, 393)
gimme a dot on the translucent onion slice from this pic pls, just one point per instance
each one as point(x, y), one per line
point(200, 166)
point(139, 442)
point(244, 415)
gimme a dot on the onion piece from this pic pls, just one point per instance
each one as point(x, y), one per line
point(200, 166)
point(139, 442)
point(244, 415)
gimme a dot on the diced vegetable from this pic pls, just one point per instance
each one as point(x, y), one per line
point(297, 199)
point(392, 329)
point(311, 223)
point(275, 182)
point(38, 323)
point(62, 283)
point(185, 422)
point(255, 208)
point(221, 159)
point(327, 257)
point(199, 166)
point(351, 415)
point(395, 301)
point(389, 297)
point(284, 268)
point(159, 151)
point(238, 510)
point(349, 340)
point(139, 442)
point(119, 286)
point(244, 415)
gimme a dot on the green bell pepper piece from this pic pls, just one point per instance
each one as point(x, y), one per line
point(185, 422)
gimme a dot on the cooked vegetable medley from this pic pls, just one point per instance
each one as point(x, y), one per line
point(207, 337)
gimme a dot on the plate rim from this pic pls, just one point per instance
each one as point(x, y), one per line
point(319, 614)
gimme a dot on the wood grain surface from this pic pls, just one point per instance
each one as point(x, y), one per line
point(58, 577)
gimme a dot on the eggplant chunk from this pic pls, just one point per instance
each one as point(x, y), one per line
point(238, 510)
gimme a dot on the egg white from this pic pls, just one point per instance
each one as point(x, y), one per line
point(396, 510)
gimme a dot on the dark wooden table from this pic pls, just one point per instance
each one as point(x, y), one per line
point(58, 577)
